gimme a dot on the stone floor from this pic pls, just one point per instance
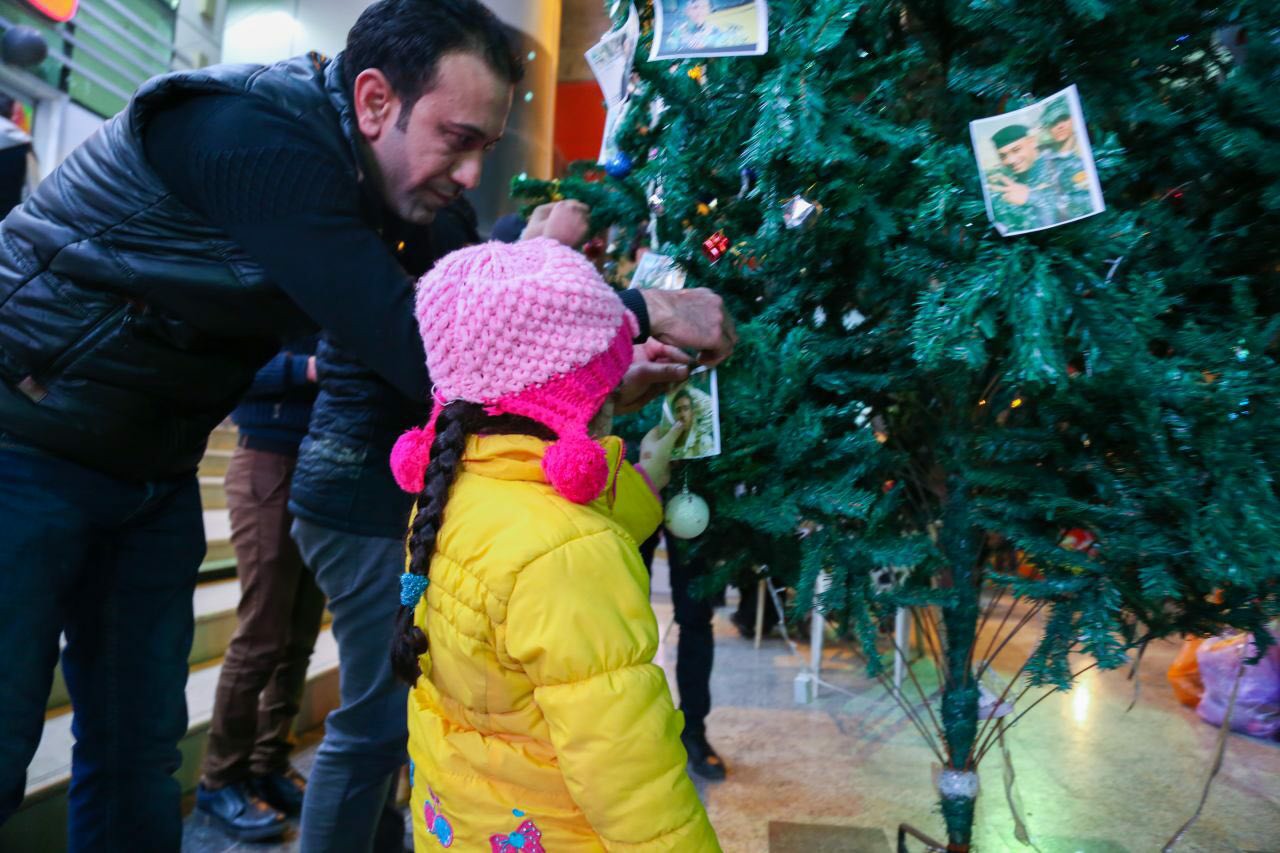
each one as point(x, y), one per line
point(841, 774)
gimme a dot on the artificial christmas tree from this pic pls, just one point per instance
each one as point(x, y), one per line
point(915, 390)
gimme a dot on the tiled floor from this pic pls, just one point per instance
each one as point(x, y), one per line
point(1090, 777)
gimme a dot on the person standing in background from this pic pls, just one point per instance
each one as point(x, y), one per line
point(350, 523)
point(19, 171)
point(247, 785)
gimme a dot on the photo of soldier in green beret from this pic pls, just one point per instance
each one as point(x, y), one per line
point(684, 29)
point(1037, 166)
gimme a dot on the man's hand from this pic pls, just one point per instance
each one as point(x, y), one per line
point(1013, 192)
point(654, 370)
point(692, 319)
point(312, 375)
point(568, 222)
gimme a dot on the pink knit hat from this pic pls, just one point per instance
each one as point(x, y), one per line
point(526, 328)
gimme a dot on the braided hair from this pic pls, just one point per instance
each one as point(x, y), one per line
point(457, 420)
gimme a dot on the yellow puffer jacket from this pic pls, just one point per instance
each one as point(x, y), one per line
point(540, 718)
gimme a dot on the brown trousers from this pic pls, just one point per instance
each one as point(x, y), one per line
point(265, 669)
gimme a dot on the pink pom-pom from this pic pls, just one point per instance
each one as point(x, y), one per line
point(577, 468)
point(409, 458)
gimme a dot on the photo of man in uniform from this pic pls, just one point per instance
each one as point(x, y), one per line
point(692, 28)
point(1020, 188)
point(1037, 167)
point(696, 32)
point(1061, 151)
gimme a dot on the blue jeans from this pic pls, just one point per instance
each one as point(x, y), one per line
point(113, 564)
point(350, 803)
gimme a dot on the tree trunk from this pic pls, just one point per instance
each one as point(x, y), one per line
point(958, 785)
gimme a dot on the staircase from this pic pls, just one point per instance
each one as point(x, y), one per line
point(40, 824)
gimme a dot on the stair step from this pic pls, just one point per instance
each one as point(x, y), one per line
point(216, 570)
point(40, 824)
point(217, 534)
point(214, 463)
point(223, 438)
point(213, 493)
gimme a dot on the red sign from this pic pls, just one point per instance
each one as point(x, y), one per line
point(58, 10)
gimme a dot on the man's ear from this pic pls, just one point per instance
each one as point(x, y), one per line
point(375, 103)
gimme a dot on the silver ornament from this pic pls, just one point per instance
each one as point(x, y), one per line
point(798, 211)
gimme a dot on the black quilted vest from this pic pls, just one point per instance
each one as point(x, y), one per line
point(129, 325)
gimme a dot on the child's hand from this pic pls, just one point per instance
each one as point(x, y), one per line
point(655, 454)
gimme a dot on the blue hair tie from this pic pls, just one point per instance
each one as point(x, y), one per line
point(411, 588)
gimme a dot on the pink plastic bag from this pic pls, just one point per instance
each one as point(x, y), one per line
point(1257, 710)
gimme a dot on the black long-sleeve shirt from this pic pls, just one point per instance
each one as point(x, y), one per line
point(297, 211)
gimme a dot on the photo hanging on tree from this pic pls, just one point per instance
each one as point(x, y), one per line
point(609, 144)
point(687, 29)
point(657, 272)
point(1036, 165)
point(693, 408)
point(611, 57)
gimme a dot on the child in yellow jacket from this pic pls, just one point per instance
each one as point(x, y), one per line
point(538, 722)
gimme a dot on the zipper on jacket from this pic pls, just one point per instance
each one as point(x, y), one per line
point(36, 386)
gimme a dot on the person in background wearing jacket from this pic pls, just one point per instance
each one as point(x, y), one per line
point(537, 718)
point(247, 784)
point(350, 520)
point(19, 172)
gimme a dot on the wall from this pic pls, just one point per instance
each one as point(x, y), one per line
point(268, 30)
point(118, 45)
point(528, 146)
point(197, 40)
point(78, 124)
point(580, 113)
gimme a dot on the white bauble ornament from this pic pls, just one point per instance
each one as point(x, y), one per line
point(687, 515)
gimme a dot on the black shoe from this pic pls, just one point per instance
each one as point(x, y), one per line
point(237, 810)
point(702, 758)
point(282, 791)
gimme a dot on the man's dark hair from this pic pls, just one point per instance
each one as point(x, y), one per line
point(6, 106)
point(405, 39)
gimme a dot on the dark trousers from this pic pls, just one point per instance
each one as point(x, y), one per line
point(265, 670)
point(350, 804)
point(696, 648)
point(113, 564)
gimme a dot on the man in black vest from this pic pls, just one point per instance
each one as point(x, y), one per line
point(141, 287)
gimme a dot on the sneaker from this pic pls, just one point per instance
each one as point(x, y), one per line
point(282, 791)
point(238, 811)
point(703, 760)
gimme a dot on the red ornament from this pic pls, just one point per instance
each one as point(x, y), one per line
point(715, 246)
